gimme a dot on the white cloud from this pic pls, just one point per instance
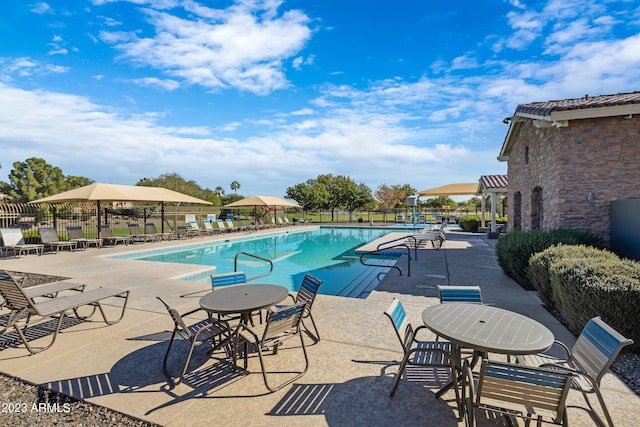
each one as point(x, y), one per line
point(165, 84)
point(27, 67)
point(242, 46)
point(42, 9)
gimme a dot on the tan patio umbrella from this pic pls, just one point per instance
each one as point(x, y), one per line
point(452, 190)
point(256, 201)
point(100, 192)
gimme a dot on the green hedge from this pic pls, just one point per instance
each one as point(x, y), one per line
point(514, 248)
point(469, 223)
point(582, 288)
point(540, 263)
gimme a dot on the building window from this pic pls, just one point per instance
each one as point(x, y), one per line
point(517, 210)
point(536, 209)
point(526, 155)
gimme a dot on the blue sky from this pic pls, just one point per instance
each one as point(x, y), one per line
point(272, 93)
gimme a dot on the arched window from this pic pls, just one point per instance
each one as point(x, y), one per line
point(517, 210)
point(536, 208)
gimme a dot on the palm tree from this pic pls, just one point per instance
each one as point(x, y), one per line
point(235, 186)
point(219, 191)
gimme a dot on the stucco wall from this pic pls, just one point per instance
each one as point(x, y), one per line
point(598, 156)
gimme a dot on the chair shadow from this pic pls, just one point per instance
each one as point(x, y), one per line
point(36, 330)
point(141, 372)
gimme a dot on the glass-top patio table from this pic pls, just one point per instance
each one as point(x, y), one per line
point(243, 299)
point(487, 329)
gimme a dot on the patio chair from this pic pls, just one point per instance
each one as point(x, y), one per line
point(196, 333)
point(23, 305)
point(150, 229)
point(12, 240)
point(596, 348)
point(221, 227)
point(137, 235)
point(49, 238)
point(229, 279)
point(307, 293)
point(45, 290)
point(208, 228)
point(534, 394)
point(469, 294)
point(77, 235)
point(195, 230)
point(435, 354)
point(232, 227)
point(281, 324)
point(109, 239)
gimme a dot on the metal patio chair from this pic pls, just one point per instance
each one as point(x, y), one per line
point(534, 394)
point(24, 306)
point(596, 348)
point(196, 333)
point(281, 325)
point(307, 294)
point(435, 354)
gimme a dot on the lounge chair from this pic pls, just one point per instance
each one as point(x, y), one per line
point(150, 229)
point(208, 228)
point(596, 348)
point(281, 324)
point(231, 227)
point(195, 229)
point(49, 238)
point(12, 240)
point(197, 334)
point(137, 235)
point(49, 290)
point(434, 354)
point(76, 235)
point(23, 305)
point(109, 239)
point(220, 224)
point(534, 394)
point(307, 293)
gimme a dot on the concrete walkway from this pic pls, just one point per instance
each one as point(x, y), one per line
point(351, 368)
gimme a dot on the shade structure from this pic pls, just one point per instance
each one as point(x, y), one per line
point(120, 193)
point(464, 189)
point(262, 201)
point(101, 192)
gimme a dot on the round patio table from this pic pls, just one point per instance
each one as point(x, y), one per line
point(488, 329)
point(243, 299)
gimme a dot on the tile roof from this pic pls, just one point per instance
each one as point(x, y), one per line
point(494, 182)
point(546, 108)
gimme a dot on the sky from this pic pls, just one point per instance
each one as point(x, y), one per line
point(273, 93)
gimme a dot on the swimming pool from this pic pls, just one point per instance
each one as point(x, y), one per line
point(325, 252)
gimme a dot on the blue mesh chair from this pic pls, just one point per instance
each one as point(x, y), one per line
point(470, 294)
point(421, 353)
point(591, 356)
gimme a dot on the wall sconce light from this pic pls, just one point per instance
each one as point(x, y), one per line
point(590, 197)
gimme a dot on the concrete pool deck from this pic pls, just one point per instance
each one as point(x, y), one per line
point(351, 368)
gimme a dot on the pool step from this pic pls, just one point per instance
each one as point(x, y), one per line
point(362, 285)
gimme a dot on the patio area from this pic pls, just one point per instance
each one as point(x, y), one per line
point(351, 369)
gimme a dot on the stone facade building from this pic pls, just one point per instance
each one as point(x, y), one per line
point(568, 160)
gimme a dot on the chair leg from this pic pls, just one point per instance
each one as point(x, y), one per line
point(596, 390)
point(166, 357)
point(124, 295)
point(405, 359)
point(316, 336)
point(290, 380)
point(40, 349)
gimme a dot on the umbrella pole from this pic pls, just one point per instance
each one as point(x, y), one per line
point(162, 216)
point(98, 203)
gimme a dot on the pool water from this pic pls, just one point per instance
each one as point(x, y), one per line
point(325, 252)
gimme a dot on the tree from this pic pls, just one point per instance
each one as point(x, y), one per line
point(330, 192)
point(35, 178)
point(390, 197)
point(219, 191)
point(235, 186)
point(175, 182)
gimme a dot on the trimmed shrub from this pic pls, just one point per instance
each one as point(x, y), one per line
point(540, 264)
point(605, 287)
point(469, 223)
point(515, 247)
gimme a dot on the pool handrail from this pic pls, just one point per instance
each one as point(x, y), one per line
point(382, 247)
point(235, 264)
